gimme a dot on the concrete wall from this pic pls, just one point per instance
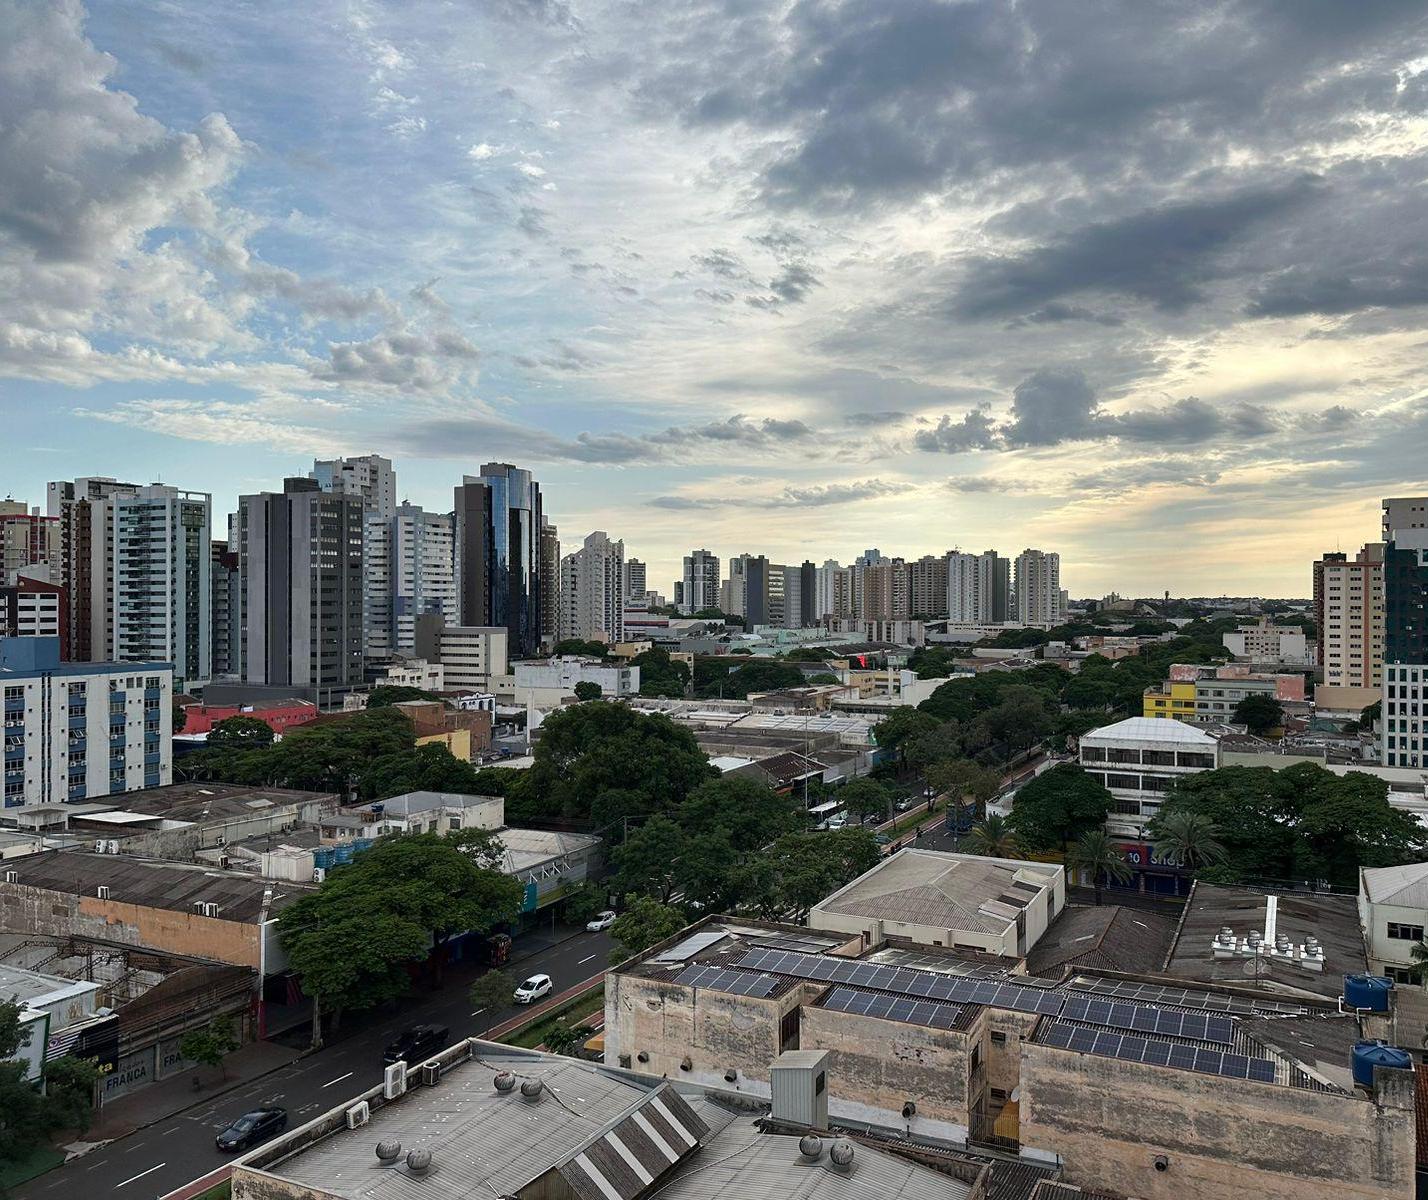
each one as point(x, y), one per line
point(1224, 1139)
point(60, 914)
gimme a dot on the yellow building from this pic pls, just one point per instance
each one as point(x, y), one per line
point(1174, 699)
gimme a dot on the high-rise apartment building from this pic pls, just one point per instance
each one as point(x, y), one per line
point(422, 568)
point(835, 591)
point(807, 594)
point(549, 583)
point(34, 608)
point(701, 581)
point(746, 592)
point(636, 579)
point(592, 591)
point(27, 539)
point(225, 587)
point(1349, 610)
point(978, 588)
point(81, 731)
point(86, 525)
point(1039, 600)
point(369, 476)
point(162, 573)
point(300, 561)
point(927, 587)
point(1404, 721)
point(498, 555)
point(878, 594)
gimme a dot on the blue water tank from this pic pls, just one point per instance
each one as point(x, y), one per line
point(342, 854)
point(1367, 991)
point(1368, 1055)
point(322, 857)
point(360, 844)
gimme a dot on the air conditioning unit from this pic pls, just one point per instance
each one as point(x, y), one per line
point(430, 1074)
point(358, 1115)
point(394, 1080)
point(205, 908)
point(111, 847)
point(99, 846)
point(319, 874)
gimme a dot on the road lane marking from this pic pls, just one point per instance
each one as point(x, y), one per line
point(175, 1129)
point(136, 1146)
point(141, 1174)
point(583, 961)
point(478, 1012)
point(339, 1079)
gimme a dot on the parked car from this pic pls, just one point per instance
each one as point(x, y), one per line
point(533, 989)
point(881, 839)
point(252, 1128)
point(837, 820)
point(417, 1043)
point(603, 920)
point(904, 804)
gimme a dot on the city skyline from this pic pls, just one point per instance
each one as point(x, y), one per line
point(791, 290)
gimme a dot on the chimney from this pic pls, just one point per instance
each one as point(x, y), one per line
point(799, 1085)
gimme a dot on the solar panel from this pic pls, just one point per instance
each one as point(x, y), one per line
point(723, 979)
point(1202, 1027)
point(1154, 993)
point(905, 980)
point(893, 1008)
point(1134, 1048)
point(691, 946)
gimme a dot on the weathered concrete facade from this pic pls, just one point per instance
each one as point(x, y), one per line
point(1222, 1139)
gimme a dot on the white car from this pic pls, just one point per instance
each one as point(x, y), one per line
point(603, 920)
point(837, 820)
point(533, 989)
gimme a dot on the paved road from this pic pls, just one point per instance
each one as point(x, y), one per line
point(166, 1155)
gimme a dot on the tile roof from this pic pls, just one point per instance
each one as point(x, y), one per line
point(1109, 938)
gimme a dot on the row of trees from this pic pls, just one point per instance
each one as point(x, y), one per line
point(28, 1118)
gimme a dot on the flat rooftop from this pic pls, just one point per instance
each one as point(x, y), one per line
point(34, 988)
point(200, 802)
point(593, 1131)
point(1334, 920)
point(175, 886)
point(943, 891)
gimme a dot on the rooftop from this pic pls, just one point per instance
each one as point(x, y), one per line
point(1109, 938)
point(415, 802)
point(526, 849)
point(200, 802)
point(945, 891)
point(606, 1134)
point(1334, 920)
point(1406, 886)
point(1153, 729)
point(34, 989)
point(174, 886)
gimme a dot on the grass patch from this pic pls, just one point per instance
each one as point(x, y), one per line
point(37, 1162)
point(219, 1191)
point(919, 816)
point(572, 1013)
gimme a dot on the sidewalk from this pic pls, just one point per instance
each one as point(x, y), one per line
point(163, 1099)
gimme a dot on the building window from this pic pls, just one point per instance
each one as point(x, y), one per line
point(998, 1039)
point(1407, 933)
point(1401, 974)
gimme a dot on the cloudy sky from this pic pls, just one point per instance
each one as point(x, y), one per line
point(1144, 282)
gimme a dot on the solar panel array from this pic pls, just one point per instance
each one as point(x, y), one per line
point(808, 945)
point(723, 979)
point(1154, 993)
point(1203, 1027)
point(903, 980)
point(691, 946)
point(1156, 1052)
point(894, 1008)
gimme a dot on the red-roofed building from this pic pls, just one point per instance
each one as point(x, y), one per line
point(278, 715)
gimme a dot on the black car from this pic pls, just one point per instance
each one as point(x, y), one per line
point(252, 1128)
point(417, 1043)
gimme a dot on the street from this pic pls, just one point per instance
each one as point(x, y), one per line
point(157, 1159)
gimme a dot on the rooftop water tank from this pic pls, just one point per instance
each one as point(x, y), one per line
point(1367, 991)
point(322, 857)
point(1368, 1055)
point(360, 844)
point(342, 854)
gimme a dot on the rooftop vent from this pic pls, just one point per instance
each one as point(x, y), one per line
point(419, 1161)
point(810, 1145)
point(532, 1089)
point(505, 1082)
point(840, 1154)
point(102, 891)
point(12, 876)
point(388, 1153)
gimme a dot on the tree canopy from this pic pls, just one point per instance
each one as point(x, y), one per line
point(866, 798)
point(660, 674)
point(587, 690)
point(239, 733)
point(1302, 824)
point(1260, 714)
point(1058, 807)
point(642, 925)
point(581, 648)
point(384, 695)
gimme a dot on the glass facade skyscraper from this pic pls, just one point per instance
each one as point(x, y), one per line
point(498, 554)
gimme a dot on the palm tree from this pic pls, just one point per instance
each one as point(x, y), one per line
point(1096, 853)
point(994, 838)
point(1189, 840)
point(1420, 960)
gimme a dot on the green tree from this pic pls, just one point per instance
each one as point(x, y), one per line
point(581, 903)
point(804, 868)
point(491, 991)
point(384, 695)
point(581, 648)
point(924, 750)
point(1260, 714)
point(428, 768)
point(567, 1039)
point(900, 725)
point(965, 781)
point(585, 690)
point(994, 838)
point(646, 863)
point(810, 654)
point(866, 798)
point(1095, 853)
point(761, 675)
point(725, 823)
point(1369, 717)
point(27, 1117)
point(660, 674)
point(69, 1092)
point(239, 733)
point(1021, 718)
point(211, 1044)
point(642, 925)
point(1189, 839)
point(1054, 809)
